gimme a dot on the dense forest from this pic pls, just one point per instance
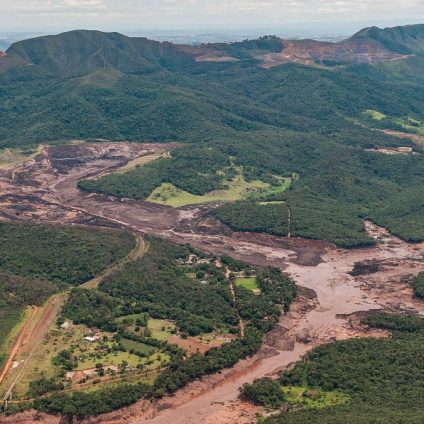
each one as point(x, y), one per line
point(418, 286)
point(380, 378)
point(60, 254)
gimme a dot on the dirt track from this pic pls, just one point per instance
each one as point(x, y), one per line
point(30, 341)
point(46, 190)
point(18, 343)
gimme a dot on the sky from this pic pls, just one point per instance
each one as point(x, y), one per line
point(224, 15)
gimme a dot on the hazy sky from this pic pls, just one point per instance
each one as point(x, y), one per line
point(121, 15)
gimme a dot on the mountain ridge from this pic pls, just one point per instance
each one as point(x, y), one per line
point(81, 52)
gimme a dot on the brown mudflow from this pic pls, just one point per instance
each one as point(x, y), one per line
point(337, 285)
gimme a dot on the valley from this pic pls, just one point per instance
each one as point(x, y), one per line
point(327, 304)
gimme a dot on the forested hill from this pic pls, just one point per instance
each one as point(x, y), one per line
point(267, 108)
point(82, 52)
point(403, 39)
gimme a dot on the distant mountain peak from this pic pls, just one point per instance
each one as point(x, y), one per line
point(405, 39)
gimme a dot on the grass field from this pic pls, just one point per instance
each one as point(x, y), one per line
point(237, 189)
point(249, 283)
point(9, 158)
point(137, 346)
point(314, 398)
point(114, 358)
point(41, 362)
point(161, 329)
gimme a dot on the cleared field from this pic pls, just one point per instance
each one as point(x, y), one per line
point(115, 358)
point(15, 340)
point(249, 283)
point(160, 329)
point(237, 189)
point(374, 114)
point(137, 346)
point(315, 399)
point(12, 325)
point(142, 160)
point(42, 361)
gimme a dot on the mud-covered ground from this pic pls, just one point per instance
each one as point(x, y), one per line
point(337, 285)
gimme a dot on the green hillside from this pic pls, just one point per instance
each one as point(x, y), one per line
point(402, 39)
point(311, 121)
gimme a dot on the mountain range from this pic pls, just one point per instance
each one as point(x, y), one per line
point(79, 52)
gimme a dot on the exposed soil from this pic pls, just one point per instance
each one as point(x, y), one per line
point(310, 52)
point(393, 150)
point(417, 139)
point(336, 283)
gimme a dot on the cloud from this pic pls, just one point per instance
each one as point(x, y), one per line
point(83, 3)
point(59, 6)
point(225, 14)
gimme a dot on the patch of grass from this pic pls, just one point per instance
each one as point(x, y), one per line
point(273, 202)
point(311, 398)
point(407, 123)
point(236, 189)
point(249, 283)
point(10, 157)
point(161, 328)
point(113, 358)
point(137, 346)
point(140, 161)
point(272, 190)
point(374, 114)
point(12, 322)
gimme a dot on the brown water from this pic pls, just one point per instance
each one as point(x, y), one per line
point(338, 293)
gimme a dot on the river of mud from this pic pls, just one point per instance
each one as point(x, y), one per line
point(336, 284)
